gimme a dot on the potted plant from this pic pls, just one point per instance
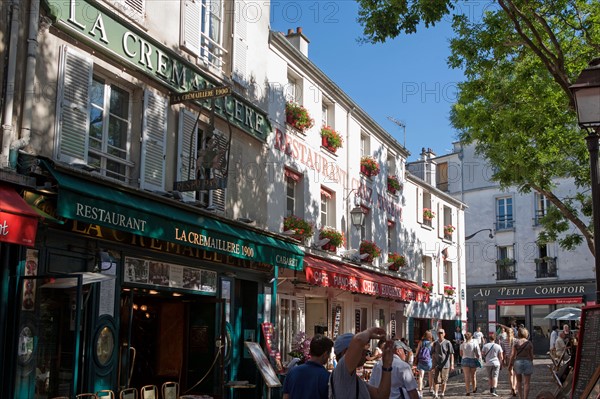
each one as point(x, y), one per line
point(300, 347)
point(336, 239)
point(427, 286)
point(393, 184)
point(448, 230)
point(331, 139)
point(397, 261)
point(369, 166)
point(370, 248)
point(302, 228)
point(449, 290)
point(297, 116)
point(428, 214)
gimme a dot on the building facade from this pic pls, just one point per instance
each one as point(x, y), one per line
point(511, 277)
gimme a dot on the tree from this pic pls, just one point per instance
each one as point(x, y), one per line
point(519, 60)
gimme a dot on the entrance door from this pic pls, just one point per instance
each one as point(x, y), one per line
point(48, 349)
point(171, 338)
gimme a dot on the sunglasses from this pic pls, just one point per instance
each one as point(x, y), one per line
point(441, 332)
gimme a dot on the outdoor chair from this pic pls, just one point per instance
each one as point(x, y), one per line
point(149, 392)
point(170, 390)
point(129, 393)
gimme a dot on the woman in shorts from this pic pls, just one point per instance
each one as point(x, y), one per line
point(521, 359)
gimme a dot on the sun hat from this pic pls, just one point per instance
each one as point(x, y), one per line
point(342, 342)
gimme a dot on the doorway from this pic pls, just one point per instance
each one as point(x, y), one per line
point(166, 336)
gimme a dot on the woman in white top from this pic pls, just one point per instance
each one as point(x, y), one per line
point(469, 352)
point(492, 354)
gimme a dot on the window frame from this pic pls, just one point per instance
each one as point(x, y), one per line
point(504, 217)
point(541, 205)
point(290, 184)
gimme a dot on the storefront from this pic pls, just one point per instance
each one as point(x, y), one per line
point(333, 297)
point(527, 304)
point(125, 288)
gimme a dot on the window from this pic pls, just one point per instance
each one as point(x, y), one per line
point(327, 114)
point(292, 90)
point(441, 176)
point(291, 321)
point(545, 266)
point(365, 229)
point(203, 30)
point(290, 195)
point(327, 208)
point(448, 225)
point(427, 205)
point(541, 208)
point(391, 165)
point(108, 138)
point(504, 213)
point(365, 148)
point(447, 273)
point(505, 265)
point(427, 269)
point(391, 236)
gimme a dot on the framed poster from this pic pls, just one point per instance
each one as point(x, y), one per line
point(587, 360)
point(266, 370)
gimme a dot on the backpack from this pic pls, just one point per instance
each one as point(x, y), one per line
point(425, 354)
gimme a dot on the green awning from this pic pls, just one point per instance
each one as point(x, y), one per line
point(95, 203)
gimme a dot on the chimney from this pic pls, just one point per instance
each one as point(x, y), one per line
point(298, 40)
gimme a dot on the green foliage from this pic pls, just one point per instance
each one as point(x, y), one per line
point(519, 58)
point(334, 139)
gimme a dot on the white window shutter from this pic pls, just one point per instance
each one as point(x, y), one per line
point(240, 46)
point(440, 219)
point(73, 105)
point(190, 31)
point(301, 303)
point(154, 137)
point(419, 205)
point(187, 149)
point(218, 197)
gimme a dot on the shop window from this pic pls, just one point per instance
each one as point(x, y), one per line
point(203, 30)
point(291, 322)
point(504, 213)
point(480, 311)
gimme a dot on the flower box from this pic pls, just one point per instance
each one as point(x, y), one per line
point(428, 214)
point(298, 117)
point(369, 166)
point(393, 184)
point(397, 261)
point(331, 139)
point(448, 230)
point(370, 248)
point(302, 228)
point(427, 286)
point(336, 238)
point(449, 290)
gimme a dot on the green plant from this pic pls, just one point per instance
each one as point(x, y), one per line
point(397, 260)
point(369, 247)
point(334, 139)
point(301, 347)
point(427, 286)
point(336, 238)
point(297, 116)
point(449, 290)
point(370, 165)
point(393, 182)
point(299, 225)
point(428, 214)
point(449, 229)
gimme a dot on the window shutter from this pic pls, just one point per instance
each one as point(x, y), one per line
point(190, 35)
point(301, 303)
point(136, 5)
point(218, 197)
point(187, 149)
point(440, 219)
point(419, 205)
point(154, 142)
point(240, 46)
point(73, 105)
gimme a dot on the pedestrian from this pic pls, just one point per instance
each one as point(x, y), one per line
point(521, 359)
point(310, 380)
point(423, 362)
point(492, 355)
point(458, 339)
point(403, 384)
point(350, 354)
point(507, 343)
point(471, 359)
point(442, 363)
point(378, 352)
point(560, 346)
point(410, 356)
point(478, 337)
point(553, 336)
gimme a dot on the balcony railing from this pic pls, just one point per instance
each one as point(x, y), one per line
point(538, 215)
point(504, 222)
point(545, 267)
point(506, 269)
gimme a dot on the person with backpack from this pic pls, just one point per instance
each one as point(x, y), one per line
point(422, 361)
point(442, 357)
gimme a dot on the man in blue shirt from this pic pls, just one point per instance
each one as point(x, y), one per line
point(310, 380)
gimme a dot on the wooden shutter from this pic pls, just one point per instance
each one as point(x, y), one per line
point(240, 45)
point(154, 136)
point(73, 105)
point(187, 149)
point(218, 197)
point(419, 205)
point(190, 26)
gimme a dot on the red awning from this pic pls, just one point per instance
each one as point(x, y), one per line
point(541, 301)
point(18, 222)
point(326, 273)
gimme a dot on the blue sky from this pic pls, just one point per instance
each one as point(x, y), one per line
point(406, 78)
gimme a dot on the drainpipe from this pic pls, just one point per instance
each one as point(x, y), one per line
point(7, 118)
point(32, 49)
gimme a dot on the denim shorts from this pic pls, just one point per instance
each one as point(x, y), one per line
point(468, 362)
point(523, 366)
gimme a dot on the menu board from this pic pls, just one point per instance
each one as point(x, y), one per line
point(588, 350)
point(263, 364)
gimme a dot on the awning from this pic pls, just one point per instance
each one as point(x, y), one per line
point(324, 273)
point(18, 222)
point(540, 301)
point(96, 203)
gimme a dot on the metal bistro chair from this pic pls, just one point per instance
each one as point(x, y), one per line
point(128, 393)
point(105, 394)
point(86, 396)
point(170, 390)
point(149, 392)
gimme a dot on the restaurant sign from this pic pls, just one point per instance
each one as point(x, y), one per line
point(129, 44)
